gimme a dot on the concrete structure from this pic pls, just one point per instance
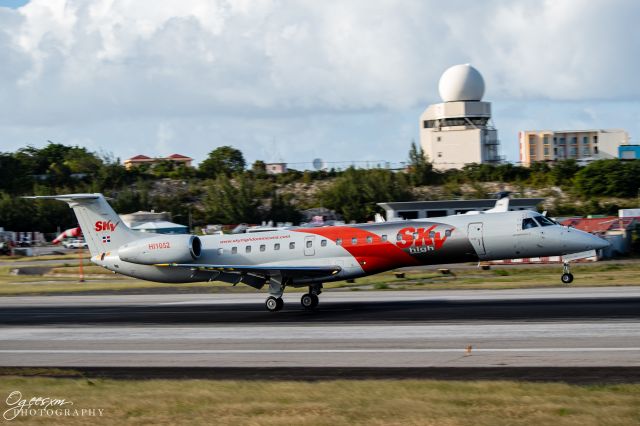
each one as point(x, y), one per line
point(140, 160)
point(276, 168)
point(582, 145)
point(629, 152)
point(427, 209)
point(140, 217)
point(458, 131)
point(161, 227)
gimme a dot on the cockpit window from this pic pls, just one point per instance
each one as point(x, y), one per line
point(544, 221)
point(528, 223)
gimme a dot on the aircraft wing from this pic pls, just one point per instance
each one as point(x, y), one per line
point(259, 269)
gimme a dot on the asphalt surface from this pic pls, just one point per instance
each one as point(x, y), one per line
point(561, 328)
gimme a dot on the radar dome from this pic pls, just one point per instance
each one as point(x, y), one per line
point(461, 83)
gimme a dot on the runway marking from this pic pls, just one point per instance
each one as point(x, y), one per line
point(303, 351)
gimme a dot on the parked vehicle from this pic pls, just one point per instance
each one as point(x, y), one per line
point(75, 244)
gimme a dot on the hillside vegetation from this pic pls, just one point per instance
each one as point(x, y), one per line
point(222, 189)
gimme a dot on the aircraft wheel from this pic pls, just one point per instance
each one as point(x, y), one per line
point(309, 301)
point(274, 304)
point(567, 278)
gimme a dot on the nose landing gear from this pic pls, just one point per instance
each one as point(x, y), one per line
point(567, 276)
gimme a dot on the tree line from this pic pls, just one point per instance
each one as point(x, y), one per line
point(224, 189)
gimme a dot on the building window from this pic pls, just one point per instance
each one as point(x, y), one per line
point(562, 141)
point(338, 241)
point(545, 139)
point(439, 155)
point(546, 151)
point(573, 151)
point(586, 151)
point(595, 139)
point(276, 246)
point(354, 241)
point(309, 243)
point(585, 140)
point(555, 140)
point(595, 149)
point(438, 139)
point(292, 246)
point(220, 251)
point(234, 250)
point(532, 150)
point(555, 151)
point(247, 249)
point(574, 140)
point(263, 247)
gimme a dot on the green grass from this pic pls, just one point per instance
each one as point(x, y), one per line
point(361, 402)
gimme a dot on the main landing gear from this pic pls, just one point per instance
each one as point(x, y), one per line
point(567, 276)
point(309, 301)
point(274, 304)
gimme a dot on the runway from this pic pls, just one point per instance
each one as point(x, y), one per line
point(561, 327)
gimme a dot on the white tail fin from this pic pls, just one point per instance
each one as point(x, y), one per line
point(102, 228)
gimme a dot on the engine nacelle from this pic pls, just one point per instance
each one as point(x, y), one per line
point(162, 249)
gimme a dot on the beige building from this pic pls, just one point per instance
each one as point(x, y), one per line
point(458, 131)
point(582, 145)
point(276, 168)
point(139, 160)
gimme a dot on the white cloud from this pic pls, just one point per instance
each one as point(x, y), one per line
point(251, 71)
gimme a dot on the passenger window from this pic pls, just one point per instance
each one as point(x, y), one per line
point(398, 237)
point(369, 239)
point(323, 243)
point(263, 247)
point(234, 250)
point(247, 249)
point(292, 246)
point(338, 241)
point(447, 233)
point(415, 236)
point(220, 251)
point(354, 241)
point(309, 243)
point(276, 246)
point(384, 238)
point(528, 223)
point(432, 234)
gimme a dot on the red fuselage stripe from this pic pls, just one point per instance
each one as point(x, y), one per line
point(371, 253)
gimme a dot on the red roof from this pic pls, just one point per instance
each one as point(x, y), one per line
point(600, 225)
point(140, 157)
point(179, 156)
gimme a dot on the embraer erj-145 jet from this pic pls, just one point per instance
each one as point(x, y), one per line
point(309, 257)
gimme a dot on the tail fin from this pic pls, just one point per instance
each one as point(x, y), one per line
point(102, 228)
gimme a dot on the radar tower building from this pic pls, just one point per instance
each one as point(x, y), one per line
point(459, 131)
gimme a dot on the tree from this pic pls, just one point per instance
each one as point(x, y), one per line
point(259, 168)
point(355, 194)
point(224, 159)
point(420, 170)
point(231, 202)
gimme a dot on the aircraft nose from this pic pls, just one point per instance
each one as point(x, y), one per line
point(593, 242)
point(599, 243)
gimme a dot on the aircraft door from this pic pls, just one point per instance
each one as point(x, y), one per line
point(308, 245)
point(474, 233)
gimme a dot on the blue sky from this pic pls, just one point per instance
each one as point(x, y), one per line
point(295, 80)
